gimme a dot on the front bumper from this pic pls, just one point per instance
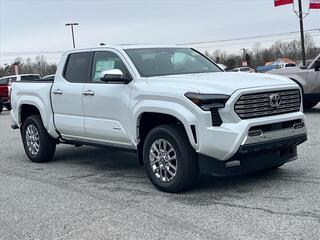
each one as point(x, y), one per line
point(254, 156)
point(223, 142)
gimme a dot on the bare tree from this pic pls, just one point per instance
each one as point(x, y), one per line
point(259, 56)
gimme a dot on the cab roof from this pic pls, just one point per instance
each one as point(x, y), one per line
point(125, 47)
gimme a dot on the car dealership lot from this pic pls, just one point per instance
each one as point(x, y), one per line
point(95, 193)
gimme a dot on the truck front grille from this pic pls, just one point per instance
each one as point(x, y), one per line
point(268, 103)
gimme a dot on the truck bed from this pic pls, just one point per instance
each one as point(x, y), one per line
point(36, 93)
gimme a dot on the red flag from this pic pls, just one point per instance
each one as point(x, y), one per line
point(278, 3)
point(314, 4)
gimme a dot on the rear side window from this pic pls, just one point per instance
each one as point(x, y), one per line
point(77, 67)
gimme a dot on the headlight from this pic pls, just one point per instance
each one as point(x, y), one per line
point(208, 102)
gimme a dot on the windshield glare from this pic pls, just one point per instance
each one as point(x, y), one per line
point(170, 61)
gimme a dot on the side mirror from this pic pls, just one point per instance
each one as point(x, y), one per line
point(317, 66)
point(113, 75)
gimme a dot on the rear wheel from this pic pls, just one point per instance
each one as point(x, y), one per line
point(170, 161)
point(8, 106)
point(1, 107)
point(38, 144)
point(309, 104)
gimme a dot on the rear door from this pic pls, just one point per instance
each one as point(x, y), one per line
point(67, 95)
point(106, 106)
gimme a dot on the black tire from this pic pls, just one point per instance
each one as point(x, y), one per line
point(1, 107)
point(276, 167)
point(309, 104)
point(47, 145)
point(8, 106)
point(187, 167)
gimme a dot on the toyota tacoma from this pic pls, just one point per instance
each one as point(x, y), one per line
point(171, 105)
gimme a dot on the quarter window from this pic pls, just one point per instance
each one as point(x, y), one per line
point(77, 67)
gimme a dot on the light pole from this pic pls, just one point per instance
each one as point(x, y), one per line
point(71, 25)
point(303, 52)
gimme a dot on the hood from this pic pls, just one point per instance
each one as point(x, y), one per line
point(221, 82)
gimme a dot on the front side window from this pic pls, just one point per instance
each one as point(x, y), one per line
point(104, 61)
point(170, 61)
point(77, 67)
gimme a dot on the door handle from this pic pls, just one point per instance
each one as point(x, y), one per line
point(57, 92)
point(88, 93)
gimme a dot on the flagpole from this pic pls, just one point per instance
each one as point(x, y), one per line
point(303, 49)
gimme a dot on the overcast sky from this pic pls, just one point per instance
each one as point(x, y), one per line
point(38, 26)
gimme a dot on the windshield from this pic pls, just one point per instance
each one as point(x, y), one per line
point(169, 61)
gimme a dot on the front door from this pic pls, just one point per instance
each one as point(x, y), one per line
point(106, 105)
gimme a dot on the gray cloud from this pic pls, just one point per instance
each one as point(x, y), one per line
point(35, 26)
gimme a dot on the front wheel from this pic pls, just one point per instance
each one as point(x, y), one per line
point(170, 161)
point(309, 104)
point(38, 144)
point(1, 107)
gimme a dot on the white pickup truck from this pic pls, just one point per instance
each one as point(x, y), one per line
point(180, 112)
point(308, 78)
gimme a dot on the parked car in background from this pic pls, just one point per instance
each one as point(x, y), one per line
point(48, 78)
point(5, 87)
point(27, 77)
point(308, 78)
point(5, 90)
point(222, 66)
point(263, 69)
point(22, 77)
point(173, 106)
point(286, 65)
point(243, 69)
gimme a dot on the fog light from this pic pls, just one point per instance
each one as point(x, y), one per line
point(298, 125)
point(233, 164)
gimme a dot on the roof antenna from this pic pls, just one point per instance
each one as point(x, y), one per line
point(102, 44)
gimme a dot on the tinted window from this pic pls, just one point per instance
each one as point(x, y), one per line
point(77, 67)
point(290, 65)
point(167, 61)
point(245, 69)
point(104, 61)
point(48, 78)
point(30, 78)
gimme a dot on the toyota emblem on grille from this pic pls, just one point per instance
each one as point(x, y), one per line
point(275, 100)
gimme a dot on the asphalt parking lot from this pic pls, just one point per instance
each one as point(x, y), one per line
point(93, 193)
